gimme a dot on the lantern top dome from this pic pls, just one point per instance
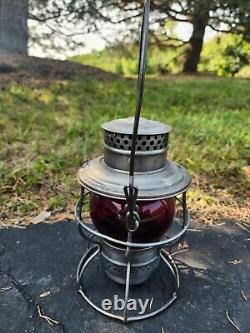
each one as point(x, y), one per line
point(155, 177)
point(146, 126)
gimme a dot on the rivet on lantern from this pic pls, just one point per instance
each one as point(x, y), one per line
point(132, 190)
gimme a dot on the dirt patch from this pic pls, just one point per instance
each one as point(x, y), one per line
point(215, 201)
point(40, 72)
point(209, 205)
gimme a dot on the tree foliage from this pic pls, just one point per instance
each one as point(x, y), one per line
point(65, 23)
point(220, 15)
point(226, 55)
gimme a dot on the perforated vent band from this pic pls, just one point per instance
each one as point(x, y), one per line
point(144, 142)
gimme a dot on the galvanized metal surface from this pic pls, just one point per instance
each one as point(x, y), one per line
point(143, 263)
point(150, 149)
point(168, 181)
point(144, 143)
point(144, 161)
point(146, 126)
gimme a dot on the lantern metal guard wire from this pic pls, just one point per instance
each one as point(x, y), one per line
point(98, 238)
point(163, 246)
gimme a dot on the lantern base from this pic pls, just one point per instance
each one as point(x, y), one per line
point(88, 259)
point(143, 263)
point(129, 262)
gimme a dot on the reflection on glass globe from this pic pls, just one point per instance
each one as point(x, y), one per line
point(108, 215)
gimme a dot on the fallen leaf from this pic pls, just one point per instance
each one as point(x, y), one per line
point(243, 295)
point(246, 170)
point(42, 217)
point(235, 262)
point(5, 289)
point(232, 322)
point(47, 318)
point(45, 294)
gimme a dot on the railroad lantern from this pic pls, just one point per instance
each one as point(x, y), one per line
point(132, 191)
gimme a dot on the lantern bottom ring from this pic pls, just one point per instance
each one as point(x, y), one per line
point(88, 259)
point(129, 263)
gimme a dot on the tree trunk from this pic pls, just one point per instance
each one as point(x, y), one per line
point(196, 43)
point(13, 26)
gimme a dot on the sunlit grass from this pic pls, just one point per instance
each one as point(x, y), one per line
point(47, 133)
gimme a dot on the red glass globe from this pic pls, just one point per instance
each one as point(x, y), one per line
point(108, 215)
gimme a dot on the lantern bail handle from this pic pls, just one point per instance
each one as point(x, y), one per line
point(131, 191)
point(140, 84)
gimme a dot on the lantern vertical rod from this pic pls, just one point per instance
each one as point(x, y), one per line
point(132, 191)
point(184, 205)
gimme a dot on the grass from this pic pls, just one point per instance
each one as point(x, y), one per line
point(125, 60)
point(47, 133)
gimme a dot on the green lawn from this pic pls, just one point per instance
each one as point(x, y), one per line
point(46, 133)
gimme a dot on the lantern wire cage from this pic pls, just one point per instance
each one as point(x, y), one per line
point(100, 242)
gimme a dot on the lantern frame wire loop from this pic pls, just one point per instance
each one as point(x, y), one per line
point(167, 260)
point(88, 232)
point(132, 216)
point(93, 251)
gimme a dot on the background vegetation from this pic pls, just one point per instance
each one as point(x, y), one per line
point(51, 111)
point(47, 132)
point(225, 55)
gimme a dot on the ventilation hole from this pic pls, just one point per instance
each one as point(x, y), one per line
point(144, 142)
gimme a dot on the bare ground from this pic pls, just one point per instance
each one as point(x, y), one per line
point(39, 72)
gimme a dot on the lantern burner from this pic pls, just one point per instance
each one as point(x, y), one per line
point(143, 262)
